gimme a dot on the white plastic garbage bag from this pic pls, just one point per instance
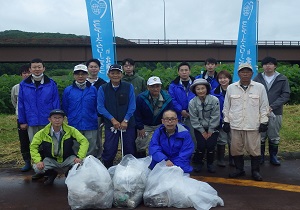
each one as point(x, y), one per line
point(169, 187)
point(89, 185)
point(129, 181)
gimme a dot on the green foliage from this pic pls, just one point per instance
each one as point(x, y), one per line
point(63, 82)
point(7, 82)
point(166, 71)
point(59, 72)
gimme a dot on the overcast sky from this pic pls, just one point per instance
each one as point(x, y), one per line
point(143, 19)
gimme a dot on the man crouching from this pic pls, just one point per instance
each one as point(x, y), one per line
point(56, 142)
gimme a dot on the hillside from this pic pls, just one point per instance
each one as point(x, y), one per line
point(21, 37)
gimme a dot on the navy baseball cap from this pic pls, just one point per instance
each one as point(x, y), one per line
point(57, 111)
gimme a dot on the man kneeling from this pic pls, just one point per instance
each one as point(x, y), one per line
point(173, 143)
point(56, 142)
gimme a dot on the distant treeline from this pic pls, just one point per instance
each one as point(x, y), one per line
point(21, 37)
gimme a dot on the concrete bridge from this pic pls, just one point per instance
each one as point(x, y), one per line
point(146, 50)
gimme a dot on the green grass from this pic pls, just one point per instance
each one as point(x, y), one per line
point(290, 135)
point(10, 148)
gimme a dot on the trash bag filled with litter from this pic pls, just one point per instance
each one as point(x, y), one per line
point(170, 187)
point(89, 185)
point(129, 180)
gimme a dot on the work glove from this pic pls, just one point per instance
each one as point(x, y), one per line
point(263, 127)
point(226, 127)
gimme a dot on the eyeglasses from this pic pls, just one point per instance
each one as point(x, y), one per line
point(169, 119)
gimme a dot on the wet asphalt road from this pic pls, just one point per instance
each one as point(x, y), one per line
point(280, 189)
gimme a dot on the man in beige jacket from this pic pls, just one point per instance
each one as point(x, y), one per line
point(246, 109)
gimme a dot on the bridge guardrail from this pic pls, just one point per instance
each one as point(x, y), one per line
point(208, 42)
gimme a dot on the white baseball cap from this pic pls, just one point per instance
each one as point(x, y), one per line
point(80, 67)
point(154, 80)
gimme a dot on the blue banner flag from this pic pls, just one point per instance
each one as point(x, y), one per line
point(102, 33)
point(246, 48)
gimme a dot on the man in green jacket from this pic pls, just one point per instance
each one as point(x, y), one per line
point(56, 141)
point(130, 76)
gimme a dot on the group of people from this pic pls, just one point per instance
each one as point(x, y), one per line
point(193, 118)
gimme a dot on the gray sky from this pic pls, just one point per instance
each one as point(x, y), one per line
point(143, 19)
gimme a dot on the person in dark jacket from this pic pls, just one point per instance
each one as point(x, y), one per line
point(80, 106)
point(278, 90)
point(172, 142)
point(23, 134)
point(224, 78)
point(56, 140)
point(116, 102)
point(93, 66)
point(132, 77)
point(150, 106)
point(210, 73)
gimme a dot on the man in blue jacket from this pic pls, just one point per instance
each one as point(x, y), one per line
point(181, 94)
point(173, 143)
point(80, 106)
point(150, 106)
point(38, 95)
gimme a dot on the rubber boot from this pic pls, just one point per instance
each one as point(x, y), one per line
point(108, 163)
point(239, 165)
point(262, 153)
point(210, 162)
point(195, 158)
point(27, 166)
point(51, 175)
point(220, 155)
point(27, 159)
point(230, 157)
point(255, 161)
point(198, 160)
point(273, 150)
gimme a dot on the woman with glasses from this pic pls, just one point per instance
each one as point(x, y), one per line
point(204, 112)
